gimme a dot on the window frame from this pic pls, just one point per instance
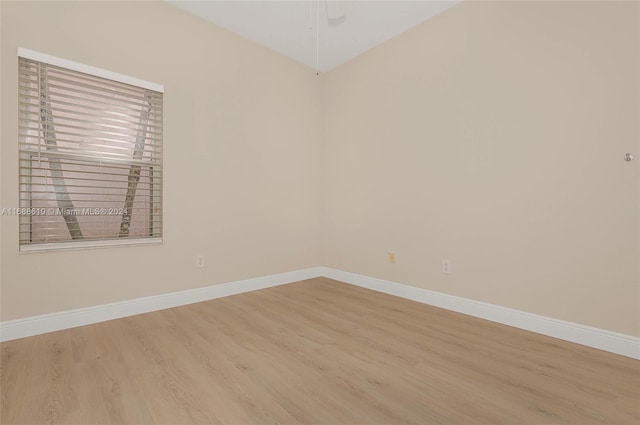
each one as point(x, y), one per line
point(26, 203)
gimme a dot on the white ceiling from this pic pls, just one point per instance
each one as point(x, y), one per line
point(284, 25)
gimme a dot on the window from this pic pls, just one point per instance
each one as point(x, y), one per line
point(90, 146)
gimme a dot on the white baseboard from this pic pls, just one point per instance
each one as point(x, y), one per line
point(613, 342)
point(36, 325)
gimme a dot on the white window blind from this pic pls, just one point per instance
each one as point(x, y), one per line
point(90, 157)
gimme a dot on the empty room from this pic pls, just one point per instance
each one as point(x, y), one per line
point(319, 212)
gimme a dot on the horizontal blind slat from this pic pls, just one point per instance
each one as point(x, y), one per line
point(102, 159)
point(30, 105)
point(79, 85)
point(79, 128)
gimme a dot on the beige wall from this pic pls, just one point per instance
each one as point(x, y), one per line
point(493, 135)
point(240, 140)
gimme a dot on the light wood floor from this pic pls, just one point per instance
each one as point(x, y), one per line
point(313, 352)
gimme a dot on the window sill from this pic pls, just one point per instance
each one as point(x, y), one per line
point(67, 246)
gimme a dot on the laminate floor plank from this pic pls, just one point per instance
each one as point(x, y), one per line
point(311, 352)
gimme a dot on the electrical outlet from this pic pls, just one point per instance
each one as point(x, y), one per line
point(199, 261)
point(447, 266)
point(392, 258)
